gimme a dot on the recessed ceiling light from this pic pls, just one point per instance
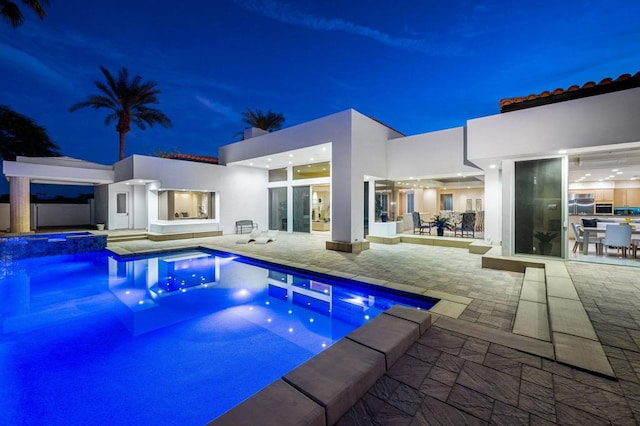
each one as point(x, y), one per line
point(492, 166)
point(324, 148)
point(619, 173)
point(290, 155)
point(587, 174)
point(410, 177)
point(311, 159)
point(289, 162)
point(562, 151)
point(267, 166)
point(459, 174)
point(614, 170)
point(251, 164)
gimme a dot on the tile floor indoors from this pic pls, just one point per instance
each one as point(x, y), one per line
point(455, 377)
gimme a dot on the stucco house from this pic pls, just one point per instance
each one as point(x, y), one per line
point(336, 174)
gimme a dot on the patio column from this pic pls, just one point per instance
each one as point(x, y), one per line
point(19, 198)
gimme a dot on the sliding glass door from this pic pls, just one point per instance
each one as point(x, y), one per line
point(278, 208)
point(301, 209)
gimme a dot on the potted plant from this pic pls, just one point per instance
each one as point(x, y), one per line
point(544, 241)
point(440, 222)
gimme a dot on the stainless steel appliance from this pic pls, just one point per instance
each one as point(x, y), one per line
point(581, 204)
point(604, 208)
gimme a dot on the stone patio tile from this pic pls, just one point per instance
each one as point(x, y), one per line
point(556, 269)
point(581, 352)
point(472, 402)
point(448, 296)
point(537, 376)
point(450, 362)
point(534, 274)
point(557, 368)
point(532, 346)
point(604, 383)
point(532, 320)
point(592, 400)
point(435, 389)
point(516, 355)
point(542, 393)
point(445, 414)
point(507, 415)
point(534, 291)
point(443, 376)
point(623, 369)
point(470, 355)
point(535, 406)
point(506, 365)
point(384, 387)
point(448, 308)
point(442, 340)
point(621, 319)
point(424, 353)
point(406, 399)
point(364, 412)
point(561, 287)
point(410, 370)
point(569, 317)
point(568, 415)
point(493, 383)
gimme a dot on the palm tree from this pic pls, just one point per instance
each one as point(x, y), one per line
point(268, 121)
point(127, 99)
point(20, 135)
point(10, 11)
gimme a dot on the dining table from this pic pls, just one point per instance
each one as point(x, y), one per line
point(601, 229)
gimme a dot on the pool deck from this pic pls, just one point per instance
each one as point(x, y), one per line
point(486, 357)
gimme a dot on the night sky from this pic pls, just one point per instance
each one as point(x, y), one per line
point(418, 66)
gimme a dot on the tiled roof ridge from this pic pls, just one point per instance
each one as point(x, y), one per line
point(590, 88)
point(193, 157)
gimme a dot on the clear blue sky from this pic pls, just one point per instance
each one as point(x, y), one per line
point(416, 65)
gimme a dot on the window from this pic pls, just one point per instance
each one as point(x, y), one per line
point(179, 205)
point(121, 202)
point(410, 206)
point(308, 171)
point(278, 175)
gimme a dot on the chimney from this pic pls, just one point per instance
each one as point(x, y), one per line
point(252, 132)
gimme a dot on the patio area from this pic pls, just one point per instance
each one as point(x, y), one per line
point(457, 372)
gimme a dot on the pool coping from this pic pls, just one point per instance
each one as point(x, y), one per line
point(324, 388)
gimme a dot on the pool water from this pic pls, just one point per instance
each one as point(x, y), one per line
point(174, 338)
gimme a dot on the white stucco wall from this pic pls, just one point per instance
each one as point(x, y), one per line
point(433, 154)
point(241, 192)
point(594, 121)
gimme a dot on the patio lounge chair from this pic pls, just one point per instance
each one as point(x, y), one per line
point(245, 239)
point(267, 236)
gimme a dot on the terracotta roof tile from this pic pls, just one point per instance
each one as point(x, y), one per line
point(193, 157)
point(590, 88)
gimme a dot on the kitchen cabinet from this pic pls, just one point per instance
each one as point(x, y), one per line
point(603, 194)
point(629, 197)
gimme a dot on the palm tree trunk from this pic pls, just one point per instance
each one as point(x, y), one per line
point(121, 145)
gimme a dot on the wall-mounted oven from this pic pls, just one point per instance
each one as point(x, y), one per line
point(604, 208)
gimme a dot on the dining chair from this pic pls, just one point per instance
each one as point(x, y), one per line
point(577, 231)
point(618, 236)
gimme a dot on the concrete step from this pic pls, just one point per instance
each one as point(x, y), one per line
point(130, 237)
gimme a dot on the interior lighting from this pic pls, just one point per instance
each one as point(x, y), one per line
point(289, 162)
point(562, 151)
point(492, 166)
point(251, 164)
point(619, 173)
point(290, 155)
point(614, 170)
point(268, 159)
point(324, 148)
point(311, 159)
point(587, 174)
point(459, 174)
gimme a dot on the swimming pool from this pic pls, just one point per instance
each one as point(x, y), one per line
point(31, 245)
point(174, 338)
